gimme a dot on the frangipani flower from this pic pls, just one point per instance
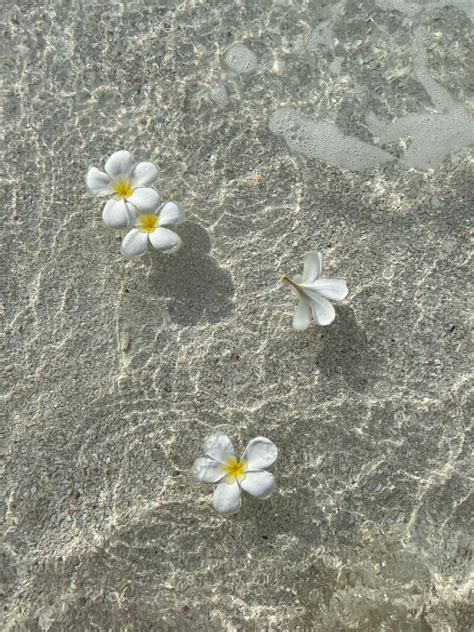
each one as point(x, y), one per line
point(314, 293)
point(149, 228)
point(128, 184)
point(233, 475)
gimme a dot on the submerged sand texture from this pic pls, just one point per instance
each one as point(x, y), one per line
point(116, 371)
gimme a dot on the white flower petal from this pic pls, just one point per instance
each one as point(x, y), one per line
point(98, 182)
point(219, 447)
point(259, 484)
point(302, 315)
point(171, 213)
point(260, 453)
point(165, 240)
point(208, 470)
point(143, 174)
point(119, 164)
point(293, 283)
point(323, 311)
point(313, 266)
point(226, 498)
point(145, 199)
point(334, 289)
point(133, 212)
point(117, 214)
point(134, 243)
point(294, 290)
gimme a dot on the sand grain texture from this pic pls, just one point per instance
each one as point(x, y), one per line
point(117, 370)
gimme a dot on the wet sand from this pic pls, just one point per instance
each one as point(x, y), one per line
point(116, 371)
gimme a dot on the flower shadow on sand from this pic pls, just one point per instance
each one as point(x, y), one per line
point(344, 352)
point(198, 289)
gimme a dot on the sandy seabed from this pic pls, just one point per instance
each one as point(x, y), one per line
point(116, 371)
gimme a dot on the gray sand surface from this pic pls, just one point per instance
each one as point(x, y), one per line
point(116, 371)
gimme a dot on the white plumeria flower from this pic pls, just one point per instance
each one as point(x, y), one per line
point(129, 186)
point(233, 475)
point(149, 228)
point(314, 293)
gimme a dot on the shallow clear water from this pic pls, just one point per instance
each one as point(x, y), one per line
point(281, 126)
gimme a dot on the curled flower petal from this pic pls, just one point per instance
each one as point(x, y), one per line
point(119, 164)
point(143, 174)
point(134, 244)
point(259, 484)
point(226, 498)
point(165, 240)
point(260, 453)
point(312, 266)
point(98, 182)
point(208, 470)
point(219, 447)
point(171, 213)
point(294, 289)
point(116, 214)
point(314, 293)
point(145, 199)
point(323, 311)
point(302, 315)
point(333, 289)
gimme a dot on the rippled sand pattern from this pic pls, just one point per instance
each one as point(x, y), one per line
point(116, 371)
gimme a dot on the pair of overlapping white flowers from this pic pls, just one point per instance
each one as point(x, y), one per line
point(135, 204)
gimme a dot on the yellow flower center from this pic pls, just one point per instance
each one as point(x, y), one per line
point(147, 223)
point(234, 468)
point(123, 189)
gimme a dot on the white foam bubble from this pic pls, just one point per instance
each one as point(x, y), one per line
point(219, 95)
point(325, 141)
point(322, 35)
point(241, 59)
point(413, 8)
point(433, 134)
